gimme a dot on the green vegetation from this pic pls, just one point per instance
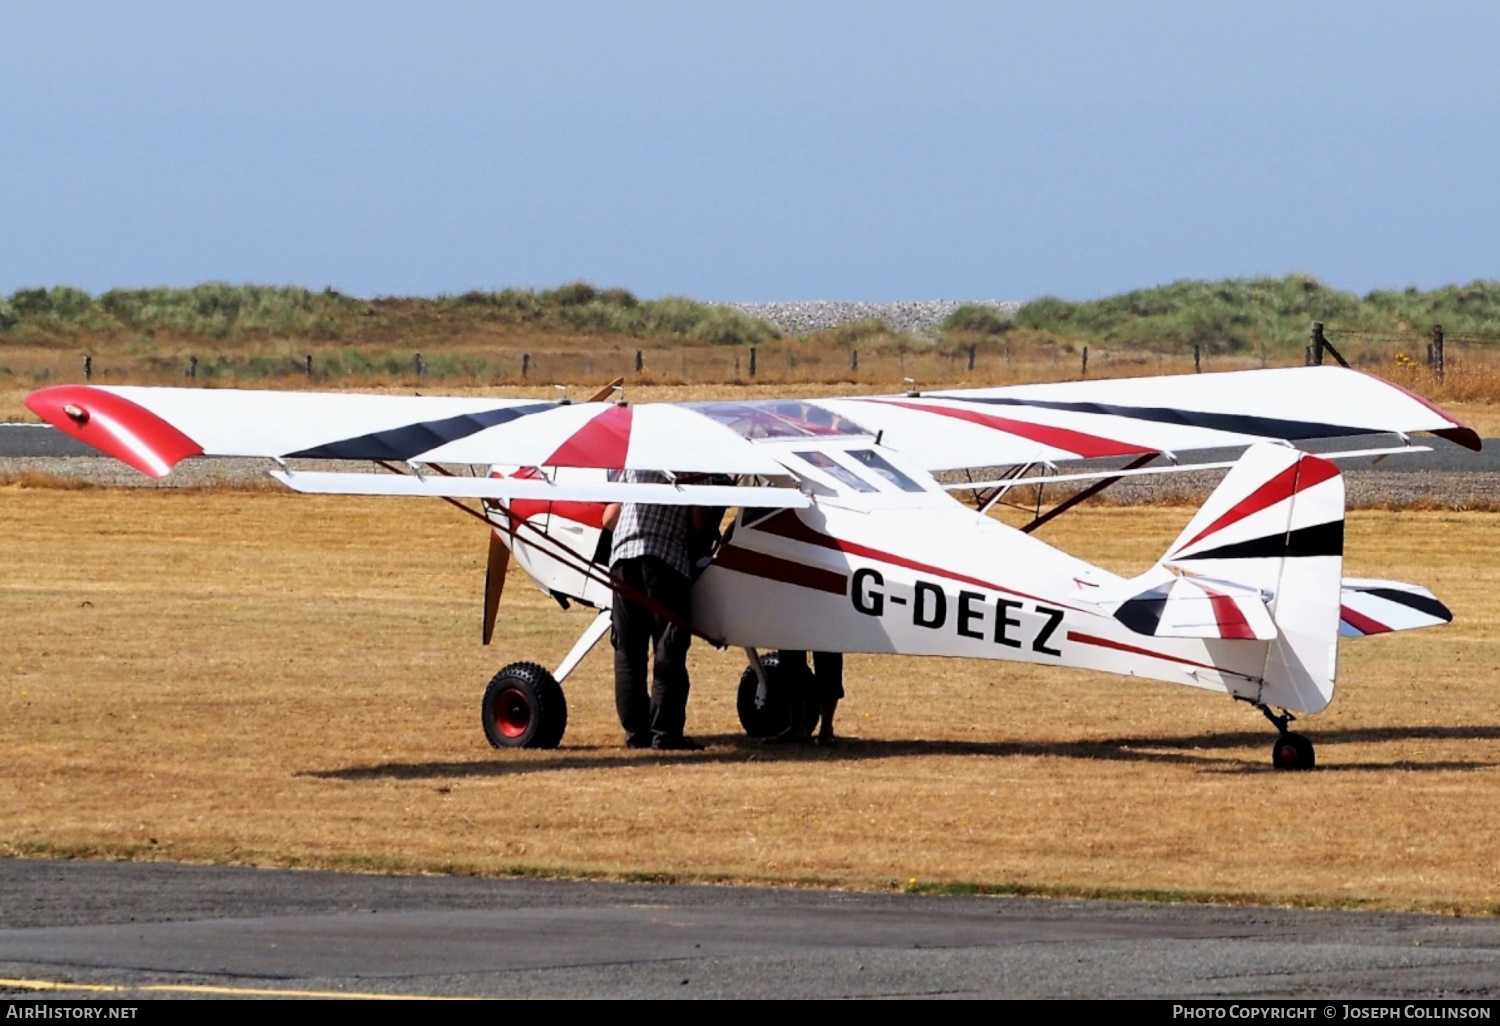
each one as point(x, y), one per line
point(218, 311)
point(1238, 315)
point(978, 320)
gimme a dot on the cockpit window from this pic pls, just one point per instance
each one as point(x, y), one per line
point(778, 419)
point(879, 464)
point(838, 472)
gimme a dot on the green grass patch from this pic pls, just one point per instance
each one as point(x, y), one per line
point(1239, 315)
point(219, 311)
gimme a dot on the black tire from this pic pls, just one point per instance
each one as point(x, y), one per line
point(1293, 752)
point(775, 716)
point(524, 708)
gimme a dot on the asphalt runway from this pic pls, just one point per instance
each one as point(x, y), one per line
point(130, 930)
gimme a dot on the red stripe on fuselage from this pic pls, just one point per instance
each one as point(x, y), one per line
point(1085, 445)
point(774, 568)
point(1089, 639)
point(787, 524)
point(589, 514)
point(1300, 476)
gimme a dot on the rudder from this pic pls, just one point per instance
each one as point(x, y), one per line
point(1276, 523)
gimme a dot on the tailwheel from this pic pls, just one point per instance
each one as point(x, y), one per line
point(524, 707)
point(1292, 752)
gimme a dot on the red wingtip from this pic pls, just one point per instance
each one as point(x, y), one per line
point(1460, 433)
point(115, 426)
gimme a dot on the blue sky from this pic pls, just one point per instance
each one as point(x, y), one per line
point(756, 151)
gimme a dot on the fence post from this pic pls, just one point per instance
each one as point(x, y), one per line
point(736, 366)
point(88, 368)
point(1085, 361)
point(1316, 349)
point(854, 360)
point(418, 365)
point(1437, 350)
point(193, 367)
point(525, 364)
point(640, 361)
point(971, 357)
point(1262, 356)
point(309, 366)
point(1197, 358)
point(752, 361)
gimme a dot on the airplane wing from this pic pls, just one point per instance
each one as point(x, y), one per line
point(998, 427)
point(152, 429)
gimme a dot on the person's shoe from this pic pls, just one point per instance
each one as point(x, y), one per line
point(638, 742)
point(827, 739)
point(663, 743)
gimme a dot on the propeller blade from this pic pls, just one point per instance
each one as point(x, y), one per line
point(607, 391)
point(494, 583)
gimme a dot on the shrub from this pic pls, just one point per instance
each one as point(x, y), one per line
point(978, 320)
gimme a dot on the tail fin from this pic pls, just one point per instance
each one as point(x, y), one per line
point(1276, 523)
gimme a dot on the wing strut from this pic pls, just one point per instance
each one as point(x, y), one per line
point(1083, 496)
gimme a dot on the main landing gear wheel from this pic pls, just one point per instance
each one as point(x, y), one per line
point(1293, 752)
point(775, 716)
point(524, 708)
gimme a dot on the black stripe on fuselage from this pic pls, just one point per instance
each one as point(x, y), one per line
point(410, 440)
point(1243, 424)
point(1318, 540)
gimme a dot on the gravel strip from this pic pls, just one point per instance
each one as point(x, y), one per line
point(1366, 488)
point(919, 318)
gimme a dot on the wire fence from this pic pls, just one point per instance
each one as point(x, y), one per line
point(1414, 358)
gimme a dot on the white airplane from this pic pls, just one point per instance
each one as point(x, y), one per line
point(844, 540)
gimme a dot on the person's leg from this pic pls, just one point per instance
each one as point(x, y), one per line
point(632, 640)
point(796, 692)
point(669, 676)
point(828, 676)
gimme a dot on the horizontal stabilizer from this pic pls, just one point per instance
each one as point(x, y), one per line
point(437, 486)
point(1379, 607)
point(1186, 608)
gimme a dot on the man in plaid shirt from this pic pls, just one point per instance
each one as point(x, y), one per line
point(650, 555)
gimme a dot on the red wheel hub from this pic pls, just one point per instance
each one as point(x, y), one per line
point(512, 712)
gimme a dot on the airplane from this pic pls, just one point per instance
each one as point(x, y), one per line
point(846, 533)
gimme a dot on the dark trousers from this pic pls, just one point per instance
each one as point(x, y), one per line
point(663, 711)
point(827, 673)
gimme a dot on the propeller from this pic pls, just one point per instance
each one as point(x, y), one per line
point(499, 558)
point(494, 582)
point(607, 391)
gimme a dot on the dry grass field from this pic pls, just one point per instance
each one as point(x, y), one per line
point(256, 677)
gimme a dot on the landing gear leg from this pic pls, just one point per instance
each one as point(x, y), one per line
point(1291, 751)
